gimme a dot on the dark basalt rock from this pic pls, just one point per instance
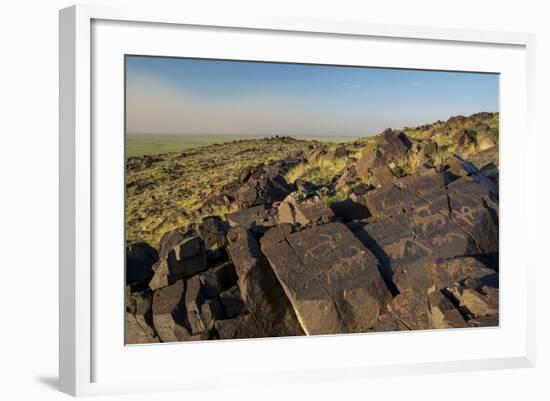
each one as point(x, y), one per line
point(181, 255)
point(337, 153)
point(257, 219)
point(140, 258)
point(474, 303)
point(194, 299)
point(260, 290)
point(389, 322)
point(349, 210)
point(240, 327)
point(443, 313)
point(212, 231)
point(169, 314)
point(217, 279)
point(304, 212)
point(139, 319)
point(330, 278)
point(232, 303)
point(305, 187)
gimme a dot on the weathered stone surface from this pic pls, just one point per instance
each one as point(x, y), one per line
point(194, 299)
point(139, 320)
point(475, 211)
point(140, 258)
point(303, 212)
point(330, 278)
point(446, 223)
point(389, 322)
point(211, 310)
point(474, 303)
point(376, 159)
point(242, 326)
point(485, 321)
point(135, 334)
point(260, 290)
point(445, 272)
point(232, 302)
point(258, 219)
point(169, 313)
point(410, 306)
point(217, 279)
point(181, 255)
point(442, 312)
point(387, 201)
point(264, 184)
point(487, 157)
point(212, 231)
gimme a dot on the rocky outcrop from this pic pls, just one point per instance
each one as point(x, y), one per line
point(376, 163)
point(402, 235)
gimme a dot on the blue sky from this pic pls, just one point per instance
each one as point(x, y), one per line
point(192, 96)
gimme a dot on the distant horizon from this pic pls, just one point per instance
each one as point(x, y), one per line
point(298, 135)
point(180, 96)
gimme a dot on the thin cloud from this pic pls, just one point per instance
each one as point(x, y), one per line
point(349, 86)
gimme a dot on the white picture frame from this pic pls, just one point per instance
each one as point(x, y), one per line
point(81, 203)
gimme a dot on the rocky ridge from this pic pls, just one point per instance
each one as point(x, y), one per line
point(393, 232)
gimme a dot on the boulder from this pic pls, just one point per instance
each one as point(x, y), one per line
point(194, 299)
point(217, 279)
point(135, 334)
point(303, 211)
point(474, 303)
point(389, 322)
point(211, 310)
point(169, 316)
point(474, 208)
point(444, 272)
point(260, 290)
point(140, 258)
point(139, 319)
point(181, 255)
point(442, 312)
point(265, 184)
point(239, 327)
point(232, 303)
point(305, 187)
point(336, 153)
point(410, 306)
point(393, 143)
point(258, 219)
point(330, 278)
point(212, 231)
point(386, 201)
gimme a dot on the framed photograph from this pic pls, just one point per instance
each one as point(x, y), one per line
point(309, 199)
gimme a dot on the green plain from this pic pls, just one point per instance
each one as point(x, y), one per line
point(150, 144)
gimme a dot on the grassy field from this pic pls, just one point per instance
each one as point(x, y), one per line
point(149, 144)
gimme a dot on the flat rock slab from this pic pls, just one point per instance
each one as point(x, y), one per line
point(257, 218)
point(329, 276)
point(259, 288)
